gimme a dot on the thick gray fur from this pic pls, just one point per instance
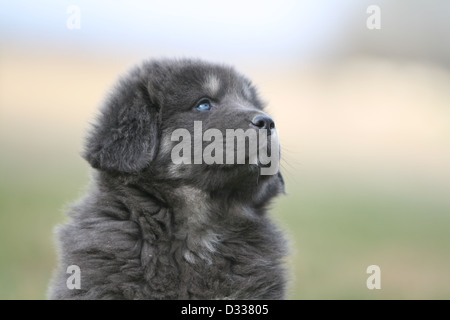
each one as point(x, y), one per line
point(150, 229)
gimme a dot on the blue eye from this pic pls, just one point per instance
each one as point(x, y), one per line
point(204, 106)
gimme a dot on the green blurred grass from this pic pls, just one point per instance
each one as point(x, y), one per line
point(34, 189)
point(336, 231)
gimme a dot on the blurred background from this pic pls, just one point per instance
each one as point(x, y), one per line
point(360, 96)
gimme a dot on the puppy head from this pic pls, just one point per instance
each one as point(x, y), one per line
point(135, 130)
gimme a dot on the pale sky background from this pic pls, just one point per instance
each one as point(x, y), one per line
point(248, 30)
point(251, 31)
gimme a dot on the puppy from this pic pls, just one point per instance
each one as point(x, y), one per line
point(161, 222)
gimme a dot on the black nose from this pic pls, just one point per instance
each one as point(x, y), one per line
point(263, 122)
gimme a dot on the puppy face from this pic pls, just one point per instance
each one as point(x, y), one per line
point(135, 133)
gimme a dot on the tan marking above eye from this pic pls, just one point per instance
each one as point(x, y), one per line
point(212, 85)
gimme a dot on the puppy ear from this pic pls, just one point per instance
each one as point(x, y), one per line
point(125, 138)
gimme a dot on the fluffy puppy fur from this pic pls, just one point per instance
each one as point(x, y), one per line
point(152, 229)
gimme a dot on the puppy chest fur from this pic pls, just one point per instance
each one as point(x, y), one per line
point(133, 248)
point(211, 257)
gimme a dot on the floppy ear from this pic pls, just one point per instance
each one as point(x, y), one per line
point(125, 138)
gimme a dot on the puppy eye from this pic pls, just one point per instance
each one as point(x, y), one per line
point(204, 105)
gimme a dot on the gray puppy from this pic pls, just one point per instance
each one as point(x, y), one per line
point(150, 228)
